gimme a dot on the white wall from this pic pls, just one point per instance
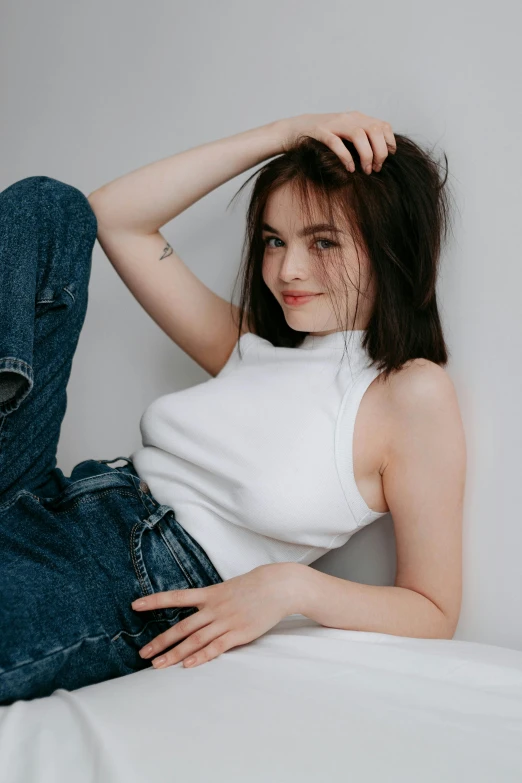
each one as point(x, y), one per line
point(92, 90)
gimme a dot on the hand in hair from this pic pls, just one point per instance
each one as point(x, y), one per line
point(373, 138)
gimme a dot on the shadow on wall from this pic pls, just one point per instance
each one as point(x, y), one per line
point(368, 557)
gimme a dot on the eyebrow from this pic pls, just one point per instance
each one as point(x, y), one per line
point(308, 230)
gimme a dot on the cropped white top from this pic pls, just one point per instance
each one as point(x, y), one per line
point(257, 462)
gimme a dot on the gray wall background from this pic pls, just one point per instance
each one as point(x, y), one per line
point(90, 91)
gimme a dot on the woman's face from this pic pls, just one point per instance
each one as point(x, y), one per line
point(298, 258)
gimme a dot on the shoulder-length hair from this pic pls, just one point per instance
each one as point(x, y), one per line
point(399, 216)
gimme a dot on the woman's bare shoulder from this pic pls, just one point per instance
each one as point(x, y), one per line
point(395, 411)
point(421, 391)
point(419, 379)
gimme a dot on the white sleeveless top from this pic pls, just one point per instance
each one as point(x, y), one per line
point(257, 462)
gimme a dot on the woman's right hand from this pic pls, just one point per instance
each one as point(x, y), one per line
point(372, 137)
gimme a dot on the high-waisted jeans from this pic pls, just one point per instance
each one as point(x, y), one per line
point(76, 550)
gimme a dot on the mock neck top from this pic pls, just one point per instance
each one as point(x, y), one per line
point(257, 462)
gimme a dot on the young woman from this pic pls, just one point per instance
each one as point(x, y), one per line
point(328, 407)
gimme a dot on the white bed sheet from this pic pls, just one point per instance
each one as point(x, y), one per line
point(301, 703)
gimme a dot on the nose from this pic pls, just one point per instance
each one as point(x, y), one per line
point(293, 266)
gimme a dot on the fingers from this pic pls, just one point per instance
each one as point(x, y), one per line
point(379, 148)
point(373, 139)
point(337, 146)
point(389, 137)
point(206, 643)
point(174, 634)
point(212, 650)
point(167, 598)
point(364, 148)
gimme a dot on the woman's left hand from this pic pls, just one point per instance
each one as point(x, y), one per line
point(231, 613)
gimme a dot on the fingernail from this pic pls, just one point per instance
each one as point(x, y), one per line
point(146, 651)
point(368, 168)
point(138, 603)
point(159, 661)
point(190, 661)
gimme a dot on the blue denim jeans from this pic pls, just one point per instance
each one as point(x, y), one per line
point(76, 550)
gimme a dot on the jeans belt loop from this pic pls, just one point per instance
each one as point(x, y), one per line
point(157, 515)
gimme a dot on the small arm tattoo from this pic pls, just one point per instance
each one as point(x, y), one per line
point(167, 251)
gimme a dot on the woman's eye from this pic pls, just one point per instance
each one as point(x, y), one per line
point(268, 239)
point(331, 244)
point(328, 241)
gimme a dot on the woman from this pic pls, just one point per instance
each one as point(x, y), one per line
point(203, 539)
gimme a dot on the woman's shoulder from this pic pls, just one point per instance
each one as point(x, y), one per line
point(417, 381)
point(419, 396)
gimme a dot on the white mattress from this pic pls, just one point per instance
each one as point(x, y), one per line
point(301, 703)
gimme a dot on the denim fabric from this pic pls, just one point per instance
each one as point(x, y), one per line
point(74, 550)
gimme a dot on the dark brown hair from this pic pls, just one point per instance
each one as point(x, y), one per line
point(400, 216)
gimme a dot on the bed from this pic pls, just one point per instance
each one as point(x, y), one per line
point(301, 703)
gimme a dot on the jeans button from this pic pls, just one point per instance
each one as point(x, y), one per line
point(143, 486)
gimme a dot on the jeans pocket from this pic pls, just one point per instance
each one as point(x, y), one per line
point(156, 565)
point(157, 569)
point(128, 643)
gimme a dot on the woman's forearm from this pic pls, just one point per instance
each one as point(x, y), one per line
point(340, 603)
point(147, 198)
